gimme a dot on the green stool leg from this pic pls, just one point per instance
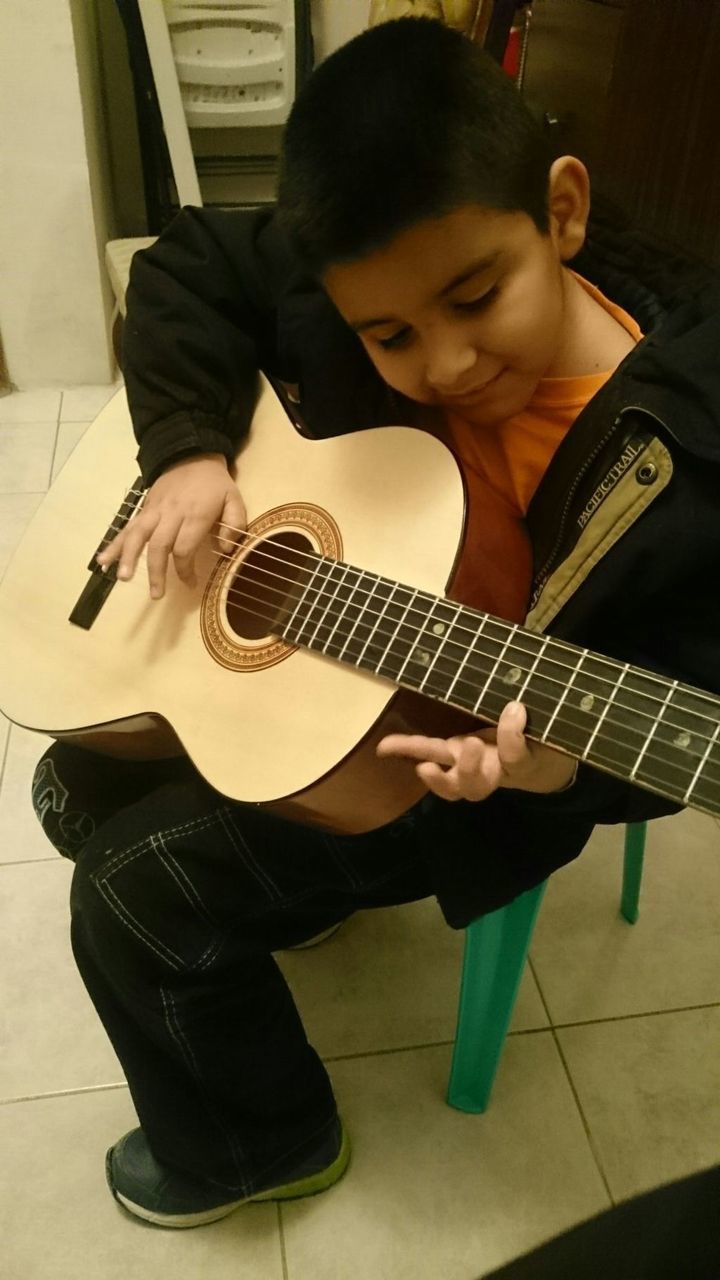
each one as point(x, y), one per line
point(496, 947)
point(635, 833)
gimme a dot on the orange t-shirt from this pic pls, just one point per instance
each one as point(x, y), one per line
point(503, 467)
point(514, 456)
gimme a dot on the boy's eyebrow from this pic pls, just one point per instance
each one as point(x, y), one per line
point(481, 264)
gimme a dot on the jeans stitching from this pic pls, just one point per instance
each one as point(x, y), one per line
point(101, 880)
point(246, 855)
point(148, 939)
point(177, 1034)
point(183, 881)
point(124, 855)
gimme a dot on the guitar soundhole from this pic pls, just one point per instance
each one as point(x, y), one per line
point(268, 585)
point(249, 594)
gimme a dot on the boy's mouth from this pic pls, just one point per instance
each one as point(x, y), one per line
point(471, 393)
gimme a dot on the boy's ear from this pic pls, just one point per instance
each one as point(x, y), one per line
point(569, 204)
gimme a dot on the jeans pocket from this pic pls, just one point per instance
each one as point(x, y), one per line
point(154, 897)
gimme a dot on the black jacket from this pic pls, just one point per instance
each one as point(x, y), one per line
point(624, 526)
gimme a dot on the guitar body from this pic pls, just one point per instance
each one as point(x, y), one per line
point(264, 722)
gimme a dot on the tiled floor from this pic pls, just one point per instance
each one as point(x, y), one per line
point(610, 1082)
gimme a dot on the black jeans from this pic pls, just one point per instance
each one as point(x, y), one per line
point(178, 899)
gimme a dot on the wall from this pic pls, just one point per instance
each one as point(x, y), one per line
point(54, 308)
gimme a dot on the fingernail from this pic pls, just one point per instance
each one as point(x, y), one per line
point(123, 573)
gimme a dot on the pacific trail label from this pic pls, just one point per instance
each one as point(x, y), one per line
point(606, 486)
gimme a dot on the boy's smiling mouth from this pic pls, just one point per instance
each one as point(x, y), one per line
point(471, 393)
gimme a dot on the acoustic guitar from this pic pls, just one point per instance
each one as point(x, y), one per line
point(279, 672)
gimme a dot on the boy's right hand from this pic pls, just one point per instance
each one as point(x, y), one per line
point(180, 509)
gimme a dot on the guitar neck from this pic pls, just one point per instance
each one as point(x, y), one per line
point(637, 726)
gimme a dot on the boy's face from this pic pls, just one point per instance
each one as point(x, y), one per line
point(465, 311)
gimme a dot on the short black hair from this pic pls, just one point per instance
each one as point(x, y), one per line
point(407, 121)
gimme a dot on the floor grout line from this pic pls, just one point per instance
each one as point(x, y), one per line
point(283, 1250)
point(55, 441)
point(583, 1118)
point(32, 862)
point(627, 1017)
point(64, 1093)
point(6, 749)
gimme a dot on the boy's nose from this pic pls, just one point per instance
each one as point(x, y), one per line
point(446, 367)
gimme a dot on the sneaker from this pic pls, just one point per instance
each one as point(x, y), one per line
point(168, 1199)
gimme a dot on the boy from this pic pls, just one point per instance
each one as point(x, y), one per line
point(413, 272)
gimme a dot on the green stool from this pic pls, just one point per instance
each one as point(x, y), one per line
point(496, 948)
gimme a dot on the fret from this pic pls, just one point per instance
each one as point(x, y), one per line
point(336, 579)
point(441, 627)
point(347, 613)
point(682, 739)
point(403, 635)
point(314, 610)
point(374, 624)
point(578, 700)
point(604, 712)
point(653, 730)
point(428, 640)
point(705, 757)
point(286, 626)
point(563, 696)
point(376, 591)
point(457, 685)
point(646, 738)
point(510, 678)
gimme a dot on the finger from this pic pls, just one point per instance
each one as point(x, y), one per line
point(158, 554)
point(442, 782)
point(232, 523)
point(112, 551)
point(512, 744)
point(416, 747)
point(190, 535)
point(128, 545)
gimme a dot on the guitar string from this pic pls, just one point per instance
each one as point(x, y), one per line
point(314, 558)
point(652, 780)
point(607, 721)
point(599, 758)
point(468, 631)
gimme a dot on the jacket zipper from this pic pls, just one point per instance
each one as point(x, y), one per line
point(543, 573)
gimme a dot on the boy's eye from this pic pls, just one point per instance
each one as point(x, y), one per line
point(396, 340)
point(478, 304)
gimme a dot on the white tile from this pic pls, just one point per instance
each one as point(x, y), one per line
point(41, 405)
point(84, 403)
point(52, 1038)
point(59, 1222)
point(21, 836)
point(26, 450)
point(434, 1194)
point(590, 963)
point(16, 511)
point(69, 434)
point(650, 1091)
point(389, 978)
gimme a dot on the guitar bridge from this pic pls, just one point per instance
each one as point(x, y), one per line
point(101, 581)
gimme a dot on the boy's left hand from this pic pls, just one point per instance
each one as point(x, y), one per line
point(472, 766)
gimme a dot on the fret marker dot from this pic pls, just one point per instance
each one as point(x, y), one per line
point(587, 702)
point(682, 740)
point(438, 628)
point(422, 656)
point(512, 676)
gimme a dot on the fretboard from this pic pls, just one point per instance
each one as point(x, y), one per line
point(643, 728)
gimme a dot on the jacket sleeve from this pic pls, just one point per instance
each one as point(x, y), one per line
point(201, 321)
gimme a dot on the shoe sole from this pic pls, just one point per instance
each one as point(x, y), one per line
point(298, 1190)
